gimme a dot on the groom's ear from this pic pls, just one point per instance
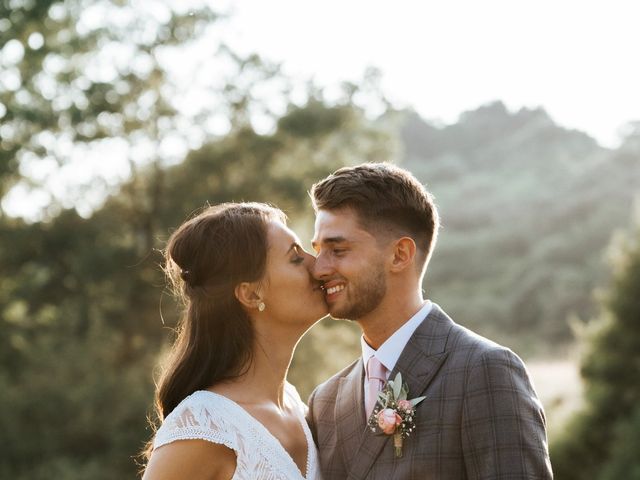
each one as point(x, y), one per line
point(247, 294)
point(404, 253)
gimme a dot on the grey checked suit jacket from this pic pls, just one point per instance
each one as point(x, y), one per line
point(481, 418)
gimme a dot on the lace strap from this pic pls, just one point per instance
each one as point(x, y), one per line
point(198, 418)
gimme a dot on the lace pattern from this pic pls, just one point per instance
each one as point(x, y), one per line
point(208, 416)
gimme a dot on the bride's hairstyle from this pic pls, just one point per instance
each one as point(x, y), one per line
point(205, 258)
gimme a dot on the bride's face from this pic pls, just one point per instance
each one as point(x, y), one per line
point(290, 293)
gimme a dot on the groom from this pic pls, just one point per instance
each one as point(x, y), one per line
point(375, 230)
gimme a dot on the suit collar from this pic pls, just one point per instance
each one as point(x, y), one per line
point(419, 362)
point(389, 352)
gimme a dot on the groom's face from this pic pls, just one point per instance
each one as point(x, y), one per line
point(350, 264)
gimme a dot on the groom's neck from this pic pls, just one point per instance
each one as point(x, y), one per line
point(393, 312)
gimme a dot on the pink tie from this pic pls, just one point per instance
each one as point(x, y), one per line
point(376, 377)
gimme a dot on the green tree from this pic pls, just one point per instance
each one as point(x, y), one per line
point(602, 442)
point(84, 318)
point(80, 73)
point(528, 208)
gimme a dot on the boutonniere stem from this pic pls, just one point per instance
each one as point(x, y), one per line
point(397, 444)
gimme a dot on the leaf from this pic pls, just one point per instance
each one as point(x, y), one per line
point(397, 385)
point(417, 400)
point(404, 391)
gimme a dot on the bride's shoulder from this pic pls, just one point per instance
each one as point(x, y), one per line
point(199, 402)
point(191, 458)
point(202, 415)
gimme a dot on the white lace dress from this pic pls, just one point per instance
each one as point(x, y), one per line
point(260, 456)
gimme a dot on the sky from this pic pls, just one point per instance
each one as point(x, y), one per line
point(576, 59)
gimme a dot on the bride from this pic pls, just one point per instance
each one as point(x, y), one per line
point(227, 410)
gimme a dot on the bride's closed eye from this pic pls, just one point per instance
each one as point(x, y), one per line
point(297, 258)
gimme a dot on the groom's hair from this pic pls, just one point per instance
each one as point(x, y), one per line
point(388, 200)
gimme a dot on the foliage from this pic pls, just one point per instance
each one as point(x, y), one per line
point(527, 209)
point(623, 462)
point(84, 317)
point(78, 74)
point(74, 353)
point(77, 409)
point(602, 441)
point(82, 298)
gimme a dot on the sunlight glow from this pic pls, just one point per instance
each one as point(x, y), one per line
point(575, 59)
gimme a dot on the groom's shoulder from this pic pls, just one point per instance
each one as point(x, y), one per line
point(465, 342)
point(469, 348)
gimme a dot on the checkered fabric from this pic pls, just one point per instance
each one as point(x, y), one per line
point(481, 418)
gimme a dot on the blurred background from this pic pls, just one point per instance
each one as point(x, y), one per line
point(118, 119)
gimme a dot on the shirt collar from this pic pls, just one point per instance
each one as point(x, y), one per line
point(390, 350)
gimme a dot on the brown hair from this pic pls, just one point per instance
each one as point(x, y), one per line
point(206, 258)
point(387, 200)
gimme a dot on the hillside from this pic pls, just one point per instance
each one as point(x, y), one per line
point(528, 209)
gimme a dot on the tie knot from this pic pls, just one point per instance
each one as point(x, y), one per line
point(376, 370)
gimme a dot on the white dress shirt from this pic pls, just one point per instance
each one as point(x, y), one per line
point(390, 350)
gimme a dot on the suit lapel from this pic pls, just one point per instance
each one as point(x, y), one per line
point(424, 353)
point(419, 363)
point(349, 412)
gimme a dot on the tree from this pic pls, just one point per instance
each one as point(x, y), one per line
point(84, 318)
point(528, 208)
point(82, 76)
point(602, 441)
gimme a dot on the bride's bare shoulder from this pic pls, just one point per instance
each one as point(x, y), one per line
point(193, 459)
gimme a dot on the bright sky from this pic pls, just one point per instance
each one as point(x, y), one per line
point(577, 59)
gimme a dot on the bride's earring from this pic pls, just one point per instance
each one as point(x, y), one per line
point(261, 306)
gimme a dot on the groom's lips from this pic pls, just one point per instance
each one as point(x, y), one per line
point(333, 289)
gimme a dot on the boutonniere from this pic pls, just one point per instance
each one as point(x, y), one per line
point(393, 413)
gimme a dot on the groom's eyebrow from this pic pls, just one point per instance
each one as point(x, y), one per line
point(328, 240)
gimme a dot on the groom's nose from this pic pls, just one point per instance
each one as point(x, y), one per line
point(322, 268)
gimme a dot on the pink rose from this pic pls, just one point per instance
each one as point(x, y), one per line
point(405, 405)
point(388, 420)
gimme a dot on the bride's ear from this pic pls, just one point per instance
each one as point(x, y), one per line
point(248, 295)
